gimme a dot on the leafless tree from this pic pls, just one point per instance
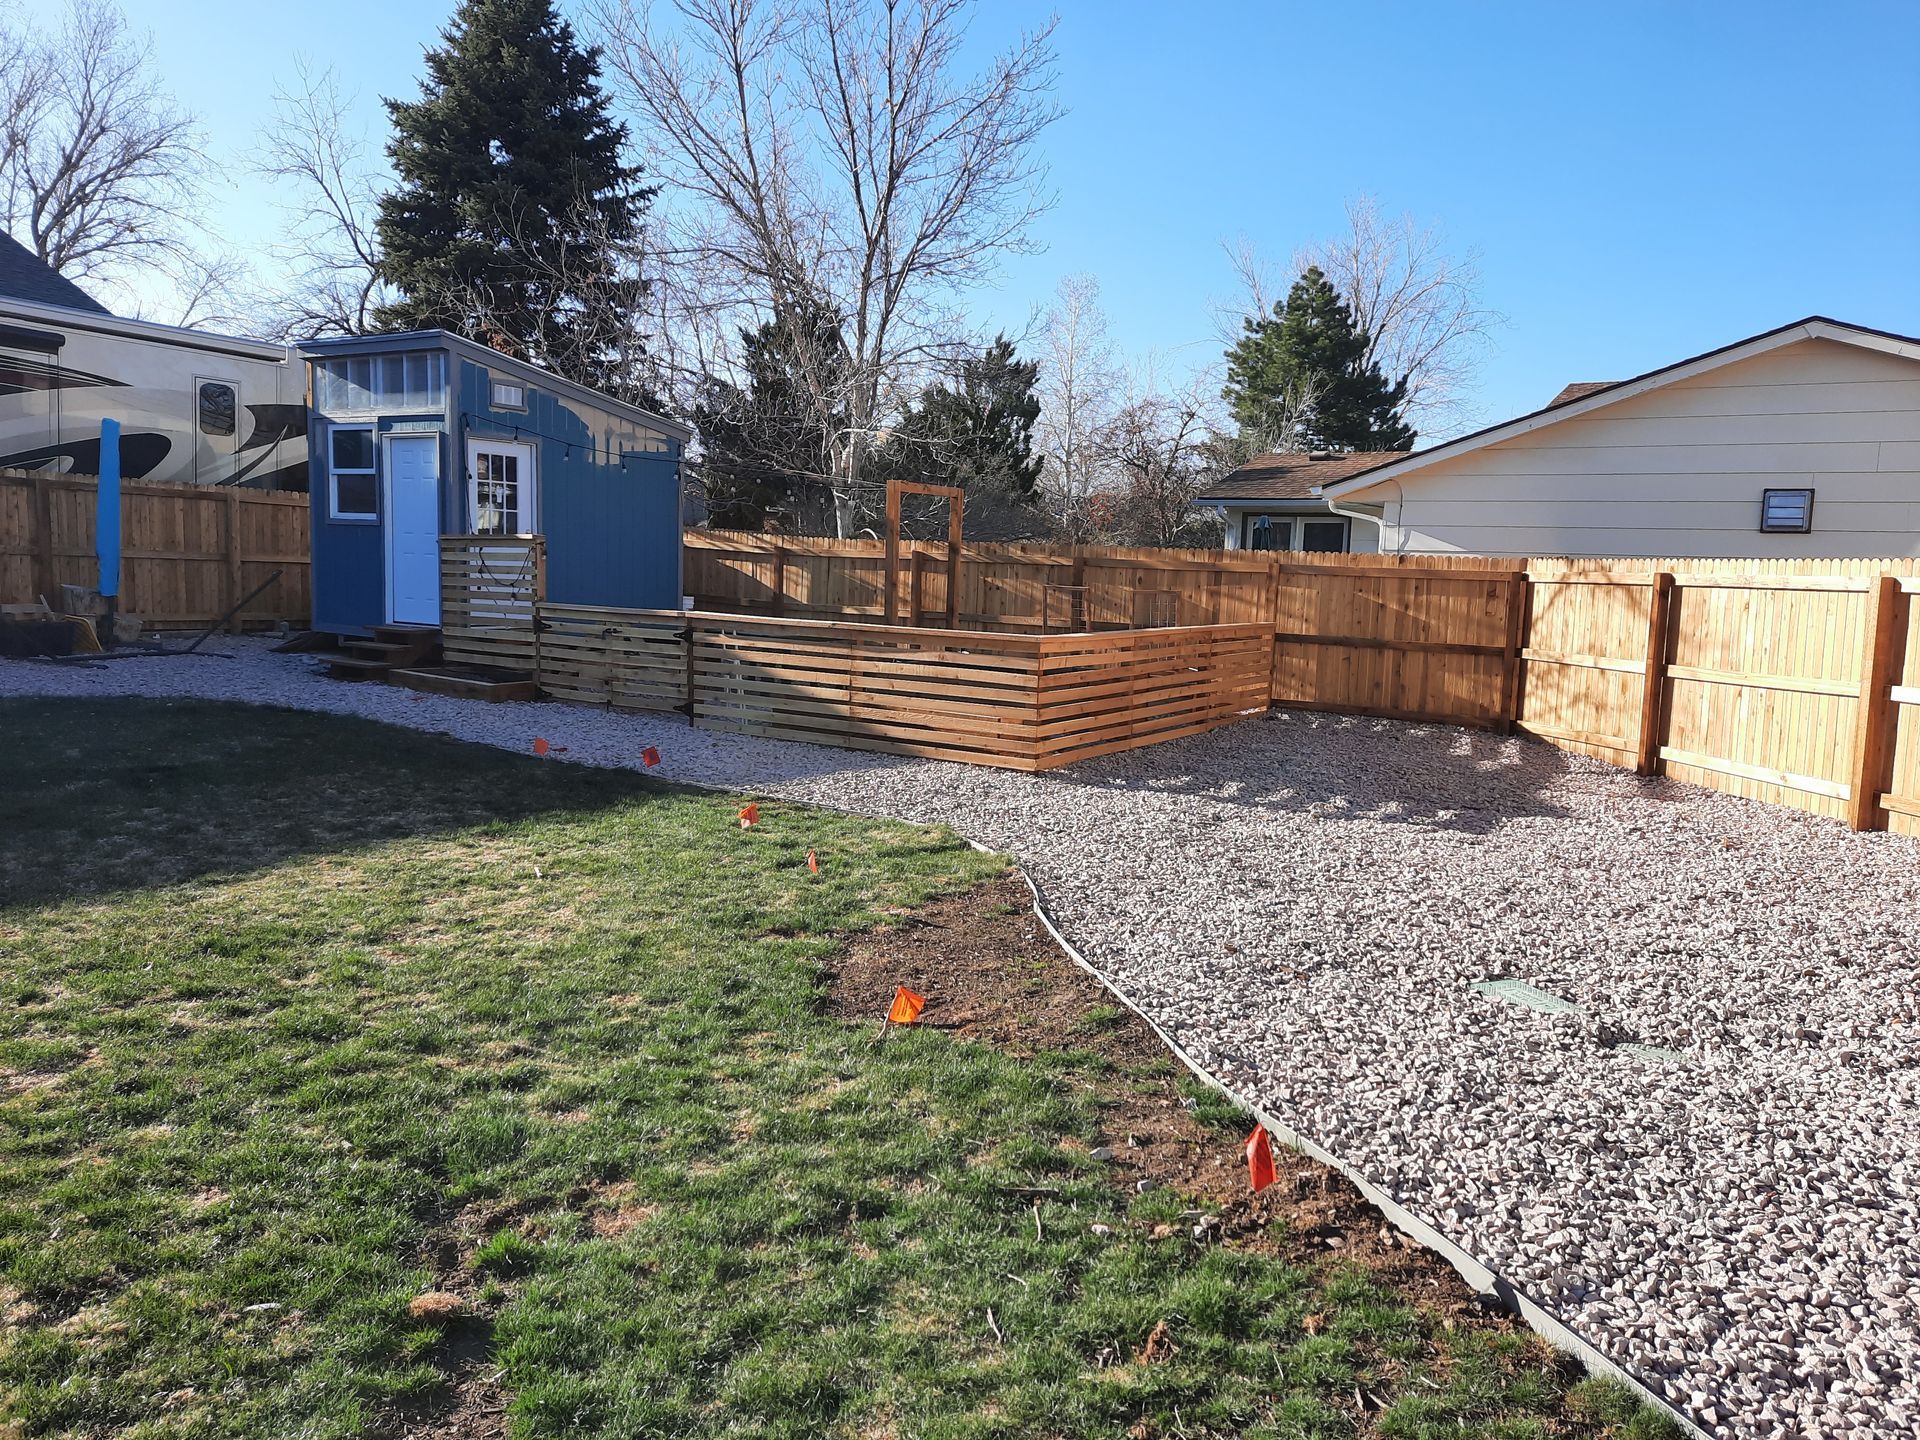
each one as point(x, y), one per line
point(102, 173)
point(331, 183)
point(1418, 302)
point(1080, 388)
point(831, 157)
point(1163, 446)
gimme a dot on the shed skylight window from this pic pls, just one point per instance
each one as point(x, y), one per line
point(381, 384)
point(508, 396)
point(1786, 512)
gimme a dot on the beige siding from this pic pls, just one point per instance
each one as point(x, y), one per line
point(1679, 470)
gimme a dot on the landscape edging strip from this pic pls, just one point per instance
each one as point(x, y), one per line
point(1471, 1268)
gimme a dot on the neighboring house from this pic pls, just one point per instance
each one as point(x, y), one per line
point(192, 408)
point(423, 434)
point(1272, 502)
point(1803, 441)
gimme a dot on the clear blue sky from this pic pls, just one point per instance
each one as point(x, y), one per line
point(1642, 181)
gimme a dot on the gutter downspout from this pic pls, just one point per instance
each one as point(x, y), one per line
point(1382, 515)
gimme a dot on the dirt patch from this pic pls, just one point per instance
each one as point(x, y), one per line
point(992, 973)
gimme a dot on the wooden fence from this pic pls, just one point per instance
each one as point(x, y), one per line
point(1023, 702)
point(188, 552)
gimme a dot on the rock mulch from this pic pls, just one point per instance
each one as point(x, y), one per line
point(1707, 1163)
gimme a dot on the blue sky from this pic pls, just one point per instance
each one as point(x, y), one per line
point(1640, 181)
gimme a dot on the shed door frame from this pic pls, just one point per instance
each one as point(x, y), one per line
point(527, 477)
point(416, 611)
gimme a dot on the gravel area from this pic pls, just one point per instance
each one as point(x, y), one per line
point(1709, 1167)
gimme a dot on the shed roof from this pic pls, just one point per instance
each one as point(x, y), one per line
point(1293, 474)
point(494, 360)
point(25, 276)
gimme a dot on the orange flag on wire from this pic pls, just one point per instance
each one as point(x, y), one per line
point(649, 757)
point(1259, 1159)
point(813, 862)
point(906, 1006)
point(749, 814)
point(540, 746)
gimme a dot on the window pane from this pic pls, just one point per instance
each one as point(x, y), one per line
point(417, 397)
point(393, 381)
point(218, 405)
point(1326, 537)
point(352, 449)
point(355, 495)
point(1260, 533)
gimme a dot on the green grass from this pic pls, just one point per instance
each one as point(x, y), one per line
point(301, 1016)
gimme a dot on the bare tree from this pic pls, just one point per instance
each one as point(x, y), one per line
point(101, 172)
point(1419, 304)
point(832, 157)
point(331, 254)
point(1080, 385)
point(1163, 445)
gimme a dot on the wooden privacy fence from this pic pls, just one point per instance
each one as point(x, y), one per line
point(1024, 702)
point(1021, 588)
point(188, 552)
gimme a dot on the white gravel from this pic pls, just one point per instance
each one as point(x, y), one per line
point(1304, 902)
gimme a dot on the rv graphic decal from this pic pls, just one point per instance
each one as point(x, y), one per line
point(139, 453)
point(18, 376)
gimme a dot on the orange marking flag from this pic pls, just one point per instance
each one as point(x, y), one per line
point(1259, 1159)
point(813, 862)
point(906, 1006)
point(649, 757)
point(749, 814)
point(540, 746)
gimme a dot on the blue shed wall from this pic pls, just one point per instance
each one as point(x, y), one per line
point(609, 506)
point(349, 575)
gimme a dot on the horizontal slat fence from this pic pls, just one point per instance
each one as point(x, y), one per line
point(489, 586)
point(189, 553)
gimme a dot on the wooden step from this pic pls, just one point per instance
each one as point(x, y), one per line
point(465, 682)
point(341, 660)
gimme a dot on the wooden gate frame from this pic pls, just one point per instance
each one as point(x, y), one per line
point(956, 507)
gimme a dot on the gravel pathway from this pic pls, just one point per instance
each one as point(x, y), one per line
point(1709, 1166)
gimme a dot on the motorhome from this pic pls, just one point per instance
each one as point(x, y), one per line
point(193, 408)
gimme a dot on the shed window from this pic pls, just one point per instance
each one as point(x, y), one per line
point(354, 488)
point(507, 396)
point(218, 405)
point(362, 384)
point(1786, 512)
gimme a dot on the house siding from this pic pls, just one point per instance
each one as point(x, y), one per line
point(1680, 469)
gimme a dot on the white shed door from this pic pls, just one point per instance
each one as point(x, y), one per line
point(413, 529)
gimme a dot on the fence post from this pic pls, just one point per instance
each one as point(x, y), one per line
point(1871, 730)
point(230, 554)
point(43, 571)
point(1654, 677)
point(1519, 596)
point(779, 578)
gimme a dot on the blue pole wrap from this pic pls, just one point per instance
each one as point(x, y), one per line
point(106, 527)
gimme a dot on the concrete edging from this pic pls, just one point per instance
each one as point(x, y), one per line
point(1484, 1279)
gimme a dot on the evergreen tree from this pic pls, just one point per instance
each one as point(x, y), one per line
point(1301, 376)
point(977, 436)
point(515, 220)
point(762, 449)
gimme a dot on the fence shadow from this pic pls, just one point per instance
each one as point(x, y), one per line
point(105, 796)
point(1346, 767)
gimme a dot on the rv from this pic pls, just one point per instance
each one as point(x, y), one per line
point(193, 408)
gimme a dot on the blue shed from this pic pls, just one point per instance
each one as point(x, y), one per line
point(417, 435)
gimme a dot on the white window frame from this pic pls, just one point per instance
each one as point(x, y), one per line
point(529, 480)
point(494, 387)
point(372, 472)
point(1295, 528)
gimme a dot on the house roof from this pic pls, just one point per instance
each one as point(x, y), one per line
point(1293, 474)
point(1579, 390)
point(25, 276)
point(1566, 407)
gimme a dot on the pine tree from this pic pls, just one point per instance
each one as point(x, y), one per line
point(515, 220)
point(977, 436)
point(1301, 377)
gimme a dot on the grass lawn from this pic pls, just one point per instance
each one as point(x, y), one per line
point(301, 1017)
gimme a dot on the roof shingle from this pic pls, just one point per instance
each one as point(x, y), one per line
point(1292, 474)
point(25, 276)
